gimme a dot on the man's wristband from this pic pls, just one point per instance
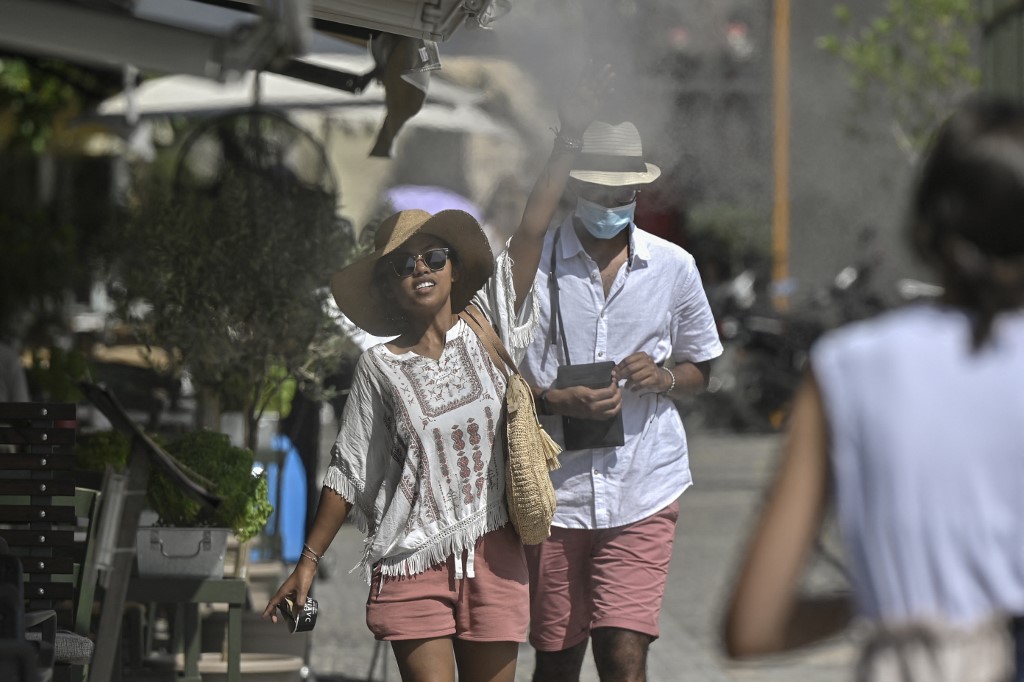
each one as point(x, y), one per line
point(569, 143)
point(673, 384)
point(542, 399)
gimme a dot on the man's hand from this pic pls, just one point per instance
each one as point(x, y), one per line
point(577, 110)
point(585, 403)
point(642, 375)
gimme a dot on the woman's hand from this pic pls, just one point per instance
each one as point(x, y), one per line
point(576, 111)
point(296, 586)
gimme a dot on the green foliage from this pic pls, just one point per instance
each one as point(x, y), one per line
point(55, 373)
point(278, 393)
point(915, 60)
point(94, 451)
point(233, 278)
point(210, 459)
point(37, 95)
point(41, 255)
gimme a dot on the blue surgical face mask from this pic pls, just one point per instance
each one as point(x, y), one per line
point(603, 222)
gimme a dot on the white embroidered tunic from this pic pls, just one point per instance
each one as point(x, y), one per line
point(417, 454)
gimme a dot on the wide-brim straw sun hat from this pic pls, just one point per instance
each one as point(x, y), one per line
point(359, 296)
point(613, 155)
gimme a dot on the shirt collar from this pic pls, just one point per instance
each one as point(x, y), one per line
point(570, 246)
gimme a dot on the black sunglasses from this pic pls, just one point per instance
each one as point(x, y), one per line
point(608, 196)
point(435, 259)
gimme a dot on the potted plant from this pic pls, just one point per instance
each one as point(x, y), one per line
point(189, 538)
point(97, 450)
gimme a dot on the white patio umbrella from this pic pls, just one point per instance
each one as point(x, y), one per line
point(181, 94)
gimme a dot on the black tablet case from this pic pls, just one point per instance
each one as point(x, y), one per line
point(582, 434)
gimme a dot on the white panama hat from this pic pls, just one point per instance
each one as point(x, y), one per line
point(612, 155)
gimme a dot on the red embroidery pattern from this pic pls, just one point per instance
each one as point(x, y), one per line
point(416, 483)
point(443, 461)
point(478, 458)
point(445, 385)
point(459, 441)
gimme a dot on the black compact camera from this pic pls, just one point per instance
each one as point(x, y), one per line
point(299, 620)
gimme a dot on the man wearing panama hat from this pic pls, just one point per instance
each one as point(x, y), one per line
point(609, 291)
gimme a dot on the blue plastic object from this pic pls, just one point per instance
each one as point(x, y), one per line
point(289, 518)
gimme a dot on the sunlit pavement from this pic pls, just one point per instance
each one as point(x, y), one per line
point(730, 472)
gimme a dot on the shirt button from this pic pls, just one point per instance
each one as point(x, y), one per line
point(600, 354)
point(596, 472)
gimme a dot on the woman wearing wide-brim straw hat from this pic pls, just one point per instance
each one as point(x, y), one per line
point(418, 464)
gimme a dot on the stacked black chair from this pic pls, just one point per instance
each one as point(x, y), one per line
point(18, 657)
point(44, 545)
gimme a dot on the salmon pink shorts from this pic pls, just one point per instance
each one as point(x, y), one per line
point(493, 606)
point(581, 579)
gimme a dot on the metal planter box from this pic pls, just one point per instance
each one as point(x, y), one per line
point(182, 552)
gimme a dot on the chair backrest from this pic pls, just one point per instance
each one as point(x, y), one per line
point(119, 520)
point(18, 658)
point(38, 516)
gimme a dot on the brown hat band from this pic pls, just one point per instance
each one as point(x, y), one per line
point(610, 163)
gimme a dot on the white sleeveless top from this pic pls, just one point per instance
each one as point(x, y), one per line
point(928, 460)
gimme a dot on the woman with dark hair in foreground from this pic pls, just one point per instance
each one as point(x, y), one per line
point(913, 425)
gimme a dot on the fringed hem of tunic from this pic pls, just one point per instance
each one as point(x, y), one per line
point(452, 540)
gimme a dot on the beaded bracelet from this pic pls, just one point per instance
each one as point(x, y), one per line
point(673, 375)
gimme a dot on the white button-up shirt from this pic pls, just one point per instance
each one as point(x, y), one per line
point(656, 304)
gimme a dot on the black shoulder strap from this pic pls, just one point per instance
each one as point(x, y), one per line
point(557, 325)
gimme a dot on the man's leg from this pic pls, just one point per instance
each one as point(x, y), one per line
point(620, 655)
point(560, 666)
point(628, 578)
point(560, 604)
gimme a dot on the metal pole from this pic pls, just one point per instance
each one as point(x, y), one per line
point(780, 152)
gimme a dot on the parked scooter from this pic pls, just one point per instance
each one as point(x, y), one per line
point(764, 356)
point(766, 351)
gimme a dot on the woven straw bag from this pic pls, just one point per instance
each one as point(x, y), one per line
point(531, 453)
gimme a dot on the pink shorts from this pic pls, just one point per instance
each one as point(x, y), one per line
point(612, 577)
point(493, 606)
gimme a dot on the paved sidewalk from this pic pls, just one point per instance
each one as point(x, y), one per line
point(730, 472)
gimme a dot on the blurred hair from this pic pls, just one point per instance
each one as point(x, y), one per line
point(967, 215)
